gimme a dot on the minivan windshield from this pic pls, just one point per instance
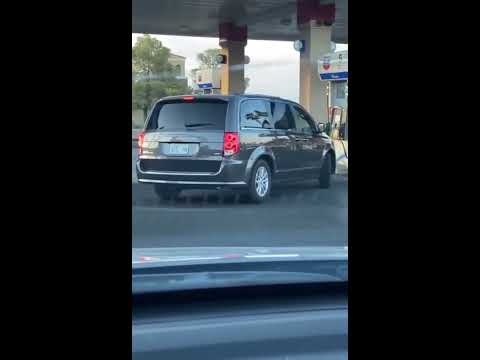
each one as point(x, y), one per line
point(181, 115)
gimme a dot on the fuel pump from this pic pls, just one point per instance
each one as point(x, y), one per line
point(336, 123)
point(333, 68)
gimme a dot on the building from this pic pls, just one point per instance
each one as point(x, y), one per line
point(206, 81)
point(178, 63)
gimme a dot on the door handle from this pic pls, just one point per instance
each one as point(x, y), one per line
point(300, 139)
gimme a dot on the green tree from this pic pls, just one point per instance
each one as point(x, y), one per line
point(153, 76)
point(247, 83)
point(193, 74)
point(149, 57)
point(207, 58)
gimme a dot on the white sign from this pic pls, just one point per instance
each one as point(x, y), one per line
point(333, 66)
point(208, 78)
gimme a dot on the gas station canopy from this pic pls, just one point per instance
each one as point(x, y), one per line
point(265, 19)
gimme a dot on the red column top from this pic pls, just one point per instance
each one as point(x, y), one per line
point(230, 32)
point(311, 10)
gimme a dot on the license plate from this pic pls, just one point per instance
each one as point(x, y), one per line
point(178, 149)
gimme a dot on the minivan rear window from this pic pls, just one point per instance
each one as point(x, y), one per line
point(191, 115)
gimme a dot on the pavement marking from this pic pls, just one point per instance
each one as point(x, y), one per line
point(182, 209)
point(177, 259)
point(148, 259)
point(271, 256)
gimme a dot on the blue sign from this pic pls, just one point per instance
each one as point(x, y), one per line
point(335, 76)
point(205, 86)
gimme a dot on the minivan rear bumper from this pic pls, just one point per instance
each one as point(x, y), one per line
point(231, 174)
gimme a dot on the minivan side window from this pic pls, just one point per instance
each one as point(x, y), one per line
point(303, 121)
point(253, 114)
point(281, 115)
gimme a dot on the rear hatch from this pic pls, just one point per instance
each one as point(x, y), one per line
point(185, 135)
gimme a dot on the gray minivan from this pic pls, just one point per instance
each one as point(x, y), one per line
point(242, 142)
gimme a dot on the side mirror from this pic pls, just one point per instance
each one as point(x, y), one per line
point(321, 127)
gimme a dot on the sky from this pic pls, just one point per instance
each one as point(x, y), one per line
point(273, 68)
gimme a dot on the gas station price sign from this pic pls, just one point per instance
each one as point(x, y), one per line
point(333, 66)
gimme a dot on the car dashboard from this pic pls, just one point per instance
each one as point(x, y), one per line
point(296, 321)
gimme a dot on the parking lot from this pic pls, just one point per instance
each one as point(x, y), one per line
point(296, 214)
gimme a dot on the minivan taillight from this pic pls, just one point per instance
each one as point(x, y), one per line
point(231, 143)
point(141, 139)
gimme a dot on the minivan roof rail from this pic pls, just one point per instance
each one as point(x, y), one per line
point(260, 95)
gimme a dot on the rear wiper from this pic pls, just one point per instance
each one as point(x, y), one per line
point(198, 124)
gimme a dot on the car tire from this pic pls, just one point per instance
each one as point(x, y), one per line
point(326, 172)
point(165, 193)
point(260, 182)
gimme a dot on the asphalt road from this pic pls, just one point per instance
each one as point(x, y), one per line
point(134, 160)
point(295, 215)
